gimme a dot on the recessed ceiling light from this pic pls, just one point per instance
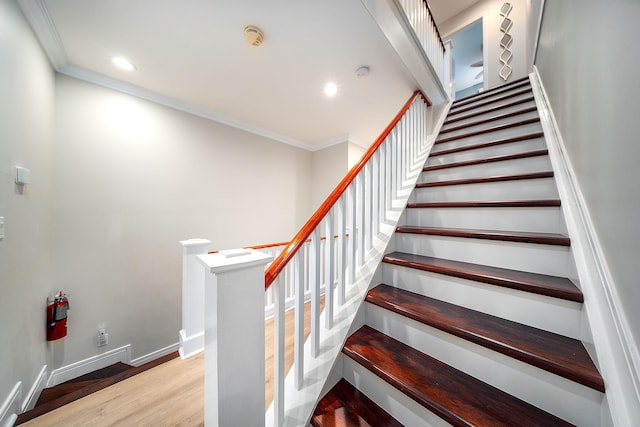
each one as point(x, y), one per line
point(330, 89)
point(123, 63)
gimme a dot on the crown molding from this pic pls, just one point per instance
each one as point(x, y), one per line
point(140, 92)
point(38, 16)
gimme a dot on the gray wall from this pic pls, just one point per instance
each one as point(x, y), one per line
point(26, 139)
point(588, 60)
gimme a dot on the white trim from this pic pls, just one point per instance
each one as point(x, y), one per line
point(155, 355)
point(137, 91)
point(11, 406)
point(190, 345)
point(38, 16)
point(32, 396)
point(537, 36)
point(74, 370)
point(618, 355)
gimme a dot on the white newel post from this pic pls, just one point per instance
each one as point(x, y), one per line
point(448, 69)
point(192, 332)
point(234, 338)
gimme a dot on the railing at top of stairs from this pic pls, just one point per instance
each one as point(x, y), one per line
point(361, 214)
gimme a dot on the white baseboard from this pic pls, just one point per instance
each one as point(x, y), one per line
point(74, 370)
point(11, 406)
point(155, 355)
point(190, 345)
point(617, 351)
point(32, 396)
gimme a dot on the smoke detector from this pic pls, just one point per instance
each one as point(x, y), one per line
point(253, 35)
point(362, 71)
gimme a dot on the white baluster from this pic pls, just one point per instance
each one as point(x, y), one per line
point(360, 215)
point(328, 271)
point(341, 255)
point(375, 195)
point(298, 325)
point(368, 178)
point(351, 251)
point(278, 349)
point(314, 279)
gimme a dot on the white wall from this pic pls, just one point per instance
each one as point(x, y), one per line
point(589, 63)
point(489, 10)
point(328, 167)
point(26, 139)
point(132, 179)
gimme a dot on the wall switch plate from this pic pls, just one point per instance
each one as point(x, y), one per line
point(23, 175)
point(1, 227)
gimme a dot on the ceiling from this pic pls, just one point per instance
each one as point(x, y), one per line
point(445, 9)
point(192, 55)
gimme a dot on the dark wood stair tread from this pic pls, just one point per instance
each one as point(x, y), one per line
point(87, 387)
point(345, 405)
point(489, 130)
point(530, 136)
point(456, 397)
point(487, 179)
point(489, 119)
point(502, 158)
point(455, 110)
point(505, 236)
point(488, 204)
point(489, 110)
point(487, 93)
point(555, 353)
point(542, 284)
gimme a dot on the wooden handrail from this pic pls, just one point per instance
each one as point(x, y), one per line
point(275, 245)
point(433, 21)
point(299, 239)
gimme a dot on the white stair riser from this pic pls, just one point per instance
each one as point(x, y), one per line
point(504, 167)
point(488, 115)
point(489, 136)
point(511, 99)
point(509, 93)
point(535, 258)
point(560, 316)
point(564, 398)
point(482, 126)
point(533, 189)
point(401, 407)
point(483, 153)
point(533, 219)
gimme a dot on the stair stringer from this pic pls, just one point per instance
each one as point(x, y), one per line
point(321, 373)
point(605, 330)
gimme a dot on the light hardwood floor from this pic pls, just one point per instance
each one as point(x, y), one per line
point(171, 394)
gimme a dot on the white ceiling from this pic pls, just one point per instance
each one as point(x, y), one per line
point(193, 55)
point(445, 9)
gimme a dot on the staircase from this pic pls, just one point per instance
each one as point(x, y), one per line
point(474, 320)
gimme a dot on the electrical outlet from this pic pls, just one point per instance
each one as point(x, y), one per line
point(103, 337)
